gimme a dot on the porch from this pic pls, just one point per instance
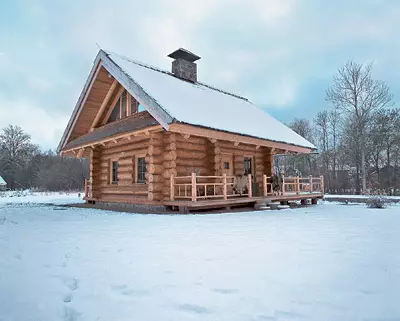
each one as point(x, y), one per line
point(203, 192)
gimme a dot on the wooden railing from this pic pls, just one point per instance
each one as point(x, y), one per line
point(293, 185)
point(87, 188)
point(196, 187)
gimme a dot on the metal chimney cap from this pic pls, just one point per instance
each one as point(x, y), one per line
point(184, 54)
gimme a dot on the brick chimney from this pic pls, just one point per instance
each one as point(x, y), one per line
point(184, 65)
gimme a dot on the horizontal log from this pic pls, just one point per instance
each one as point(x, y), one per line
point(155, 168)
point(187, 154)
point(190, 146)
point(153, 178)
point(153, 196)
point(168, 172)
point(169, 164)
point(126, 148)
point(131, 153)
point(154, 159)
point(169, 155)
point(157, 188)
point(155, 150)
point(169, 138)
point(170, 146)
point(192, 139)
point(192, 162)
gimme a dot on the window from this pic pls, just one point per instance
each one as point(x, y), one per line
point(226, 165)
point(122, 109)
point(114, 172)
point(247, 166)
point(140, 170)
point(123, 100)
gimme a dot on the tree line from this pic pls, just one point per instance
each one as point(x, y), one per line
point(24, 166)
point(358, 136)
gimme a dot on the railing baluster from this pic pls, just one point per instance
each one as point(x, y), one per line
point(194, 188)
point(171, 186)
point(224, 187)
point(311, 184)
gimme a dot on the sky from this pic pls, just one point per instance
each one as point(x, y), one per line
point(281, 54)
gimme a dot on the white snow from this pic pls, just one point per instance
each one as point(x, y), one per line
point(199, 105)
point(2, 181)
point(346, 196)
point(326, 262)
point(23, 197)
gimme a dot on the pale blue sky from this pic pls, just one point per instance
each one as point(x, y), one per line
point(280, 54)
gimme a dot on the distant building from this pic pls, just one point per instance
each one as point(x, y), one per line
point(3, 184)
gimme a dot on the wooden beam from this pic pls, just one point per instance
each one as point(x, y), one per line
point(213, 140)
point(220, 135)
point(236, 144)
point(103, 142)
point(80, 153)
point(104, 104)
point(119, 93)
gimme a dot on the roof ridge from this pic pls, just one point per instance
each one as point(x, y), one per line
point(142, 64)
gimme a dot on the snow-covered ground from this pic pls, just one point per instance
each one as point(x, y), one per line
point(24, 197)
point(326, 262)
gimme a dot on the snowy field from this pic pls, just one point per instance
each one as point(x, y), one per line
point(326, 262)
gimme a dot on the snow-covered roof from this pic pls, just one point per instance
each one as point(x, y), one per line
point(203, 105)
point(2, 181)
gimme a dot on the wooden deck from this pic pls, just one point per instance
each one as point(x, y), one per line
point(240, 201)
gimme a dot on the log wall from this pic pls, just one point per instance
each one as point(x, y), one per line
point(168, 153)
point(124, 151)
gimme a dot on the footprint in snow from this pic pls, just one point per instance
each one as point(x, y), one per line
point(225, 291)
point(72, 284)
point(70, 314)
point(67, 298)
point(193, 308)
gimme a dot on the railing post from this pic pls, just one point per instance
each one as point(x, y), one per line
point(297, 185)
point(171, 188)
point(250, 192)
point(283, 185)
point(265, 189)
point(86, 189)
point(311, 184)
point(225, 187)
point(322, 184)
point(194, 187)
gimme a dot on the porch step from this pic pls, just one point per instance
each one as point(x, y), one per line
point(274, 205)
point(283, 207)
point(261, 206)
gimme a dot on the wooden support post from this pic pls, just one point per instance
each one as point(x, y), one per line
point(265, 185)
point(322, 184)
point(314, 201)
point(297, 185)
point(283, 185)
point(225, 187)
point(86, 188)
point(311, 184)
point(171, 186)
point(194, 188)
point(249, 187)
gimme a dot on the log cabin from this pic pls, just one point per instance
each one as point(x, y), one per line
point(164, 138)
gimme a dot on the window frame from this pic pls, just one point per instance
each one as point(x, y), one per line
point(137, 168)
point(111, 178)
point(252, 164)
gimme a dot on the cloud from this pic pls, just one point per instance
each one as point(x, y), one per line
point(43, 127)
point(278, 53)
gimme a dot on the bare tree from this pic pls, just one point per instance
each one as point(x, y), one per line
point(16, 150)
point(357, 94)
